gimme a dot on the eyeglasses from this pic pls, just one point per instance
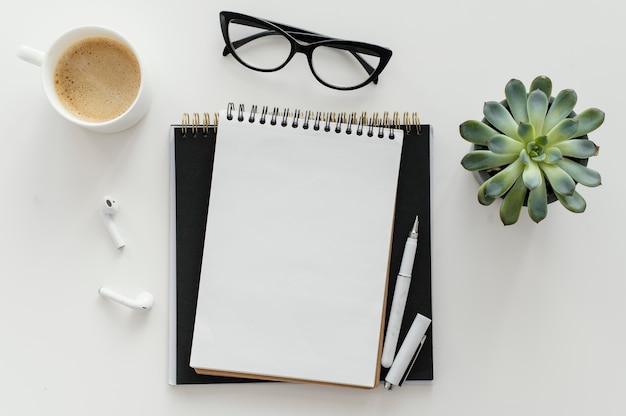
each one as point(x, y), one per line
point(266, 46)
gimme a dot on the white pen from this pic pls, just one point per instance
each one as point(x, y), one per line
point(400, 294)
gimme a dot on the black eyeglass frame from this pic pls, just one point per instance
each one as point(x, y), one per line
point(313, 40)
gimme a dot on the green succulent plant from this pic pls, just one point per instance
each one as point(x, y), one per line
point(532, 144)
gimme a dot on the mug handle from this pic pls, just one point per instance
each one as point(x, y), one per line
point(30, 55)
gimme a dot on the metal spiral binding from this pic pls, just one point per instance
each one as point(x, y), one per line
point(192, 125)
point(274, 116)
point(285, 116)
point(372, 126)
point(296, 119)
point(252, 114)
point(307, 117)
point(316, 124)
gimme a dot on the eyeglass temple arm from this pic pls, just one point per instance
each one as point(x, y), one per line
point(303, 35)
point(239, 43)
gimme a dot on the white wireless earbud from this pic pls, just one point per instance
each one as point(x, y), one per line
point(142, 302)
point(109, 208)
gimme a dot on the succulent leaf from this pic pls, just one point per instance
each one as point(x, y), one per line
point(539, 158)
point(526, 132)
point(579, 148)
point(516, 96)
point(561, 107)
point(532, 175)
point(502, 144)
point(485, 159)
point(559, 179)
point(500, 118)
point(512, 203)
point(476, 132)
point(566, 129)
point(538, 202)
point(553, 154)
point(524, 157)
point(589, 120)
point(497, 185)
point(542, 140)
point(542, 83)
point(537, 108)
point(482, 198)
point(574, 202)
point(580, 173)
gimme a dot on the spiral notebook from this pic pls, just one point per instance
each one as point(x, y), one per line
point(296, 255)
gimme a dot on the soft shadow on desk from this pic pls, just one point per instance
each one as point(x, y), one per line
point(319, 399)
point(102, 147)
point(129, 320)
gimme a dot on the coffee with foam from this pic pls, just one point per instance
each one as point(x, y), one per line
point(97, 79)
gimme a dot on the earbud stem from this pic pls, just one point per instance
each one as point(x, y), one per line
point(113, 232)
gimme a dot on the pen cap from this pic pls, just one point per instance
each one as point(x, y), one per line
point(408, 350)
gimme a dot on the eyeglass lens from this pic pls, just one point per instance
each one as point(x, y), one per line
point(335, 63)
point(261, 48)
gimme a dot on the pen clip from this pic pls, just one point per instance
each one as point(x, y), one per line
point(412, 363)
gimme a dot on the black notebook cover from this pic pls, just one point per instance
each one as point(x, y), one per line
point(192, 163)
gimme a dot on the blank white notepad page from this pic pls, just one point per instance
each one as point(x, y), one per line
point(296, 253)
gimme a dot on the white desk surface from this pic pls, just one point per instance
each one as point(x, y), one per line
point(528, 319)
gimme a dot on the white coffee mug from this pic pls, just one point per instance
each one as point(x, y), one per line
point(48, 62)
